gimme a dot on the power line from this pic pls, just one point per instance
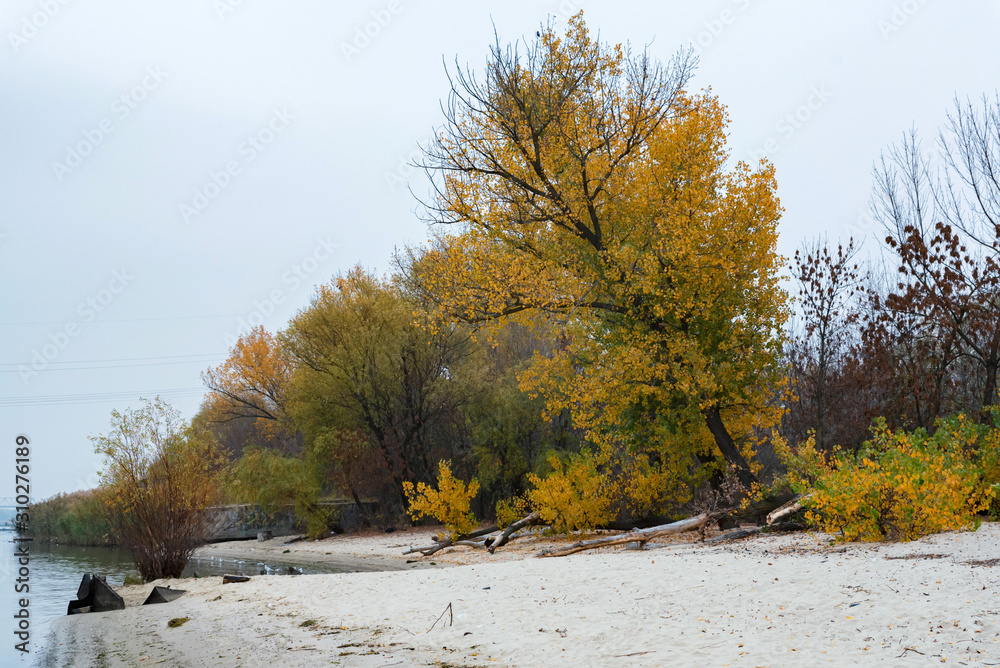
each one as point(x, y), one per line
point(114, 366)
point(123, 359)
point(98, 322)
point(96, 397)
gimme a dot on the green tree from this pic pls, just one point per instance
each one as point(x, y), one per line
point(509, 435)
point(367, 364)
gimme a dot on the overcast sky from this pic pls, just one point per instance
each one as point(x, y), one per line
point(169, 171)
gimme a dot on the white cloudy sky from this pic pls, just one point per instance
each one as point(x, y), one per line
point(99, 263)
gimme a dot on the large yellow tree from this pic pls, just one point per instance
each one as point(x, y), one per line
point(581, 183)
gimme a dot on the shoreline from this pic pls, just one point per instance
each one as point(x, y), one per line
point(782, 600)
point(361, 552)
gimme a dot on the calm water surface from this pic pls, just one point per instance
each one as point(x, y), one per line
point(55, 573)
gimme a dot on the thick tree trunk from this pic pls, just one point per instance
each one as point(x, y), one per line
point(728, 448)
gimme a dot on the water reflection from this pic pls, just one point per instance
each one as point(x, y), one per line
point(56, 570)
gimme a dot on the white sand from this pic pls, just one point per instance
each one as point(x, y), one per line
point(772, 601)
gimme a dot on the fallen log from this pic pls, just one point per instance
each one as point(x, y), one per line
point(470, 543)
point(641, 536)
point(734, 535)
point(439, 545)
point(756, 511)
point(533, 518)
point(752, 531)
point(792, 506)
point(428, 550)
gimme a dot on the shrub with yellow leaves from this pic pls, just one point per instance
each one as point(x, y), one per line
point(989, 459)
point(805, 464)
point(511, 510)
point(448, 504)
point(901, 485)
point(574, 496)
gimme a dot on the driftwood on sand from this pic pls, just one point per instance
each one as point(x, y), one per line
point(533, 518)
point(465, 539)
point(753, 531)
point(792, 506)
point(641, 536)
point(480, 538)
point(773, 509)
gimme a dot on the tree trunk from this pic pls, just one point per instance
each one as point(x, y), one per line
point(820, 394)
point(728, 448)
point(989, 392)
point(362, 513)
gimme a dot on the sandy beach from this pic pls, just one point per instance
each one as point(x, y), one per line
point(792, 600)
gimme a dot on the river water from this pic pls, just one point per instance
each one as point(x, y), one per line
point(54, 576)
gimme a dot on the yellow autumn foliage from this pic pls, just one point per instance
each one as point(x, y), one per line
point(901, 485)
point(511, 510)
point(584, 188)
point(448, 504)
point(251, 385)
point(574, 496)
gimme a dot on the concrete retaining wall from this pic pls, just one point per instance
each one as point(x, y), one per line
point(242, 522)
